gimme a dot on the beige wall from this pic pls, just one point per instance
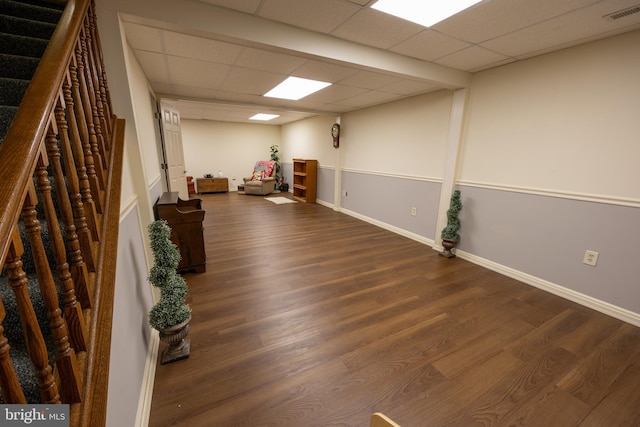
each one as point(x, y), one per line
point(232, 148)
point(309, 139)
point(407, 137)
point(565, 122)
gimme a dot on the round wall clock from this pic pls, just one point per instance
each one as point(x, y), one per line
point(335, 133)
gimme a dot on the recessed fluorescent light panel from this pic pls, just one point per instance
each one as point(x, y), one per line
point(423, 12)
point(264, 117)
point(295, 88)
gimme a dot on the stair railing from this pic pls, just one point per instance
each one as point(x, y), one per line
point(61, 164)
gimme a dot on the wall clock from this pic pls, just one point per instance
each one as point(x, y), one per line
point(335, 133)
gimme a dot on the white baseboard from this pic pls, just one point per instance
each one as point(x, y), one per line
point(400, 231)
point(577, 297)
point(148, 379)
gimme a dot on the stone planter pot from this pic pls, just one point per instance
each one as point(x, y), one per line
point(178, 347)
point(448, 246)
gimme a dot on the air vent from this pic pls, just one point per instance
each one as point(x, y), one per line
point(623, 13)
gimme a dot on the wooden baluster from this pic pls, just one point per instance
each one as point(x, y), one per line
point(94, 186)
point(100, 149)
point(85, 92)
point(33, 338)
point(85, 185)
point(72, 310)
point(9, 383)
point(78, 239)
point(94, 52)
point(66, 362)
point(97, 143)
point(102, 75)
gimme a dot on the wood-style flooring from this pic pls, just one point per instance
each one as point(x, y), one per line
point(309, 317)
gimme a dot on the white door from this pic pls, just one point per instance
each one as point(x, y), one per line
point(172, 136)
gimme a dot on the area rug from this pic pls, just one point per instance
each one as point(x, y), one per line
point(280, 200)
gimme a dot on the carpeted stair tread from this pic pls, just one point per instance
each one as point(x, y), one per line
point(13, 44)
point(26, 27)
point(12, 91)
point(36, 11)
point(18, 67)
point(13, 332)
point(42, 3)
point(6, 116)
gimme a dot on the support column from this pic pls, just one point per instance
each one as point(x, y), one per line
point(452, 161)
point(337, 180)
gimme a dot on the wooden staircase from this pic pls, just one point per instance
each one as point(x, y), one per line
point(61, 151)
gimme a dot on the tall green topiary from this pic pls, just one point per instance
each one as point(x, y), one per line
point(274, 156)
point(450, 232)
point(171, 309)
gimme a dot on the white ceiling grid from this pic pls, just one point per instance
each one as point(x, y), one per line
point(218, 77)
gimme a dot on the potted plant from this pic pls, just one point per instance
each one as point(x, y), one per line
point(274, 156)
point(450, 236)
point(171, 315)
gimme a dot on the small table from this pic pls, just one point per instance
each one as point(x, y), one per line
point(212, 185)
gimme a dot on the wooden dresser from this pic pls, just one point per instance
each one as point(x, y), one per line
point(185, 219)
point(212, 185)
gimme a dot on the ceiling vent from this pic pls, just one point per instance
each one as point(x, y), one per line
point(623, 13)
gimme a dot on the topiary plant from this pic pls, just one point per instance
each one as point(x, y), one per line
point(450, 232)
point(274, 156)
point(171, 308)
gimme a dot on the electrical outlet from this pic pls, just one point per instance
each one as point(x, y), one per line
point(414, 211)
point(590, 258)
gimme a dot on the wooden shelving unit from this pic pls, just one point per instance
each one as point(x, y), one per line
point(304, 180)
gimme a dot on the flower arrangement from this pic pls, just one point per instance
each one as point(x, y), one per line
point(171, 309)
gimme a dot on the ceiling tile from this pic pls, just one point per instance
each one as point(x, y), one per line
point(162, 88)
point(247, 6)
point(242, 98)
point(471, 58)
point(323, 71)
point(153, 64)
point(251, 82)
point(334, 93)
point(178, 44)
point(323, 16)
point(564, 30)
point(194, 64)
point(193, 92)
point(143, 37)
point(409, 87)
point(429, 45)
point(268, 61)
point(368, 80)
point(371, 97)
point(493, 18)
point(196, 73)
point(375, 28)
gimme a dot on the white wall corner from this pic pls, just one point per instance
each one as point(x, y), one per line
point(148, 380)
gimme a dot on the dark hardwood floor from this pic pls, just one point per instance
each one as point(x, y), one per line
point(308, 317)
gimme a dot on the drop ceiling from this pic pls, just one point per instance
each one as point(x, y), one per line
point(216, 58)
